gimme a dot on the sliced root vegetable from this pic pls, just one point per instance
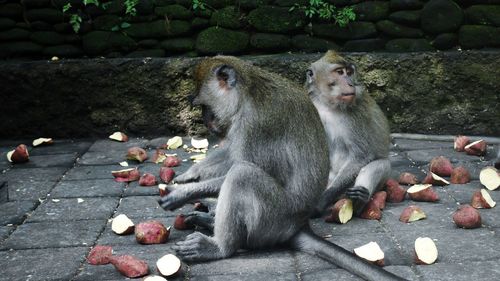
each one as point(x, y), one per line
point(371, 211)
point(130, 266)
point(147, 180)
point(434, 179)
point(42, 141)
point(159, 156)
point(441, 166)
point(412, 213)
point(168, 265)
point(163, 189)
point(199, 143)
point(166, 174)
point(481, 199)
point(126, 175)
point(460, 175)
point(100, 255)
point(460, 143)
point(174, 143)
point(122, 225)
point(341, 211)
point(467, 217)
point(119, 136)
point(422, 192)
point(154, 278)
point(200, 207)
point(180, 223)
point(19, 154)
point(371, 252)
point(137, 153)
point(379, 199)
point(477, 148)
point(426, 251)
point(395, 193)
point(171, 161)
point(407, 178)
point(151, 232)
point(490, 178)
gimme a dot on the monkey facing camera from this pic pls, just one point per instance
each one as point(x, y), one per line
point(264, 196)
point(357, 132)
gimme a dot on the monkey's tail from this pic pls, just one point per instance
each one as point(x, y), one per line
point(308, 242)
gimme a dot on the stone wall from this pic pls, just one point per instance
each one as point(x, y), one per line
point(432, 93)
point(37, 29)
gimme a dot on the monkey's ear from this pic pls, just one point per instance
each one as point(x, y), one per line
point(226, 76)
point(309, 76)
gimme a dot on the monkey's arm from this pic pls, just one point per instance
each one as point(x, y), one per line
point(216, 164)
point(310, 243)
point(189, 191)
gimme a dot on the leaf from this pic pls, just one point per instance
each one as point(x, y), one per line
point(115, 28)
point(125, 25)
point(66, 7)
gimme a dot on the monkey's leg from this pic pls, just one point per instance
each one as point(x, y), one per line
point(189, 191)
point(201, 219)
point(215, 165)
point(371, 177)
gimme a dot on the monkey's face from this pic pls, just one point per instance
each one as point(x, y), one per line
point(217, 92)
point(333, 83)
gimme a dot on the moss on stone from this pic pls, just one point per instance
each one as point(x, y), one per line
point(397, 30)
point(268, 41)
point(276, 20)
point(307, 43)
point(103, 42)
point(21, 48)
point(354, 30)
point(6, 23)
point(408, 45)
point(228, 17)
point(445, 41)
point(440, 16)
point(371, 10)
point(62, 51)
point(106, 22)
point(483, 14)
point(174, 12)
point(178, 45)
point(47, 38)
point(159, 28)
point(479, 36)
point(14, 34)
point(215, 40)
point(406, 17)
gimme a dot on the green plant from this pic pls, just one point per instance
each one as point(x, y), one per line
point(75, 14)
point(327, 11)
point(198, 4)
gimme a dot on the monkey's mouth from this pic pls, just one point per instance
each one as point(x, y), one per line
point(347, 94)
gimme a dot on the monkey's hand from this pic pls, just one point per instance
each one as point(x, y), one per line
point(172, 201)
point(189, 176)
point(358, 193)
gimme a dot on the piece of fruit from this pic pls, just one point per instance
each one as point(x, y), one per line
point(163, 189)
point(147, 180)
point(42, 141)
point(407, 178)
point(422, 192)
point(341, 211)
point(395, 193)
point(477, 148)
point(441, 166)
point(130, 266)
point(126, 175)
point(100, 255)
point(151, 232)
point(168, 265)
point(371, 252)
point(159, 156)
point(119, 136)
point(166, 174)
point(200, 207)
point(19, 154)
point(154, 278)
point(412, 213)
point(481, 199)
point(137, 153)
point(379, 199)
point(199, 143)
point(180, 223)
point(460, 175)
point(490, 178)
point(467, 217)
point(460, 143)
point(434, 179)
point(371, 211)
point(426, 251)
point(122, 225)
point(174, 142)
point(171, 161)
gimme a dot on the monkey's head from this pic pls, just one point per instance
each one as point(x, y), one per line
point(218, 87)
point(332, 80)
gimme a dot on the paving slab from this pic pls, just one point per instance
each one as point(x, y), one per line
point(57, 264)
point(69, 209)
point(147, 207)
point(15, 212)
point(34, 174)
point(409, 144)
point(108, 157)
point(92, 172)
point(461, 270)
point(30, 190)
point(5, 231)
point(149, 253)
point(111, 145)
point(51, 160)
point(247, 277)
point(425, 156)
point(54, 234)
point(88, 188)
point(62, 147)
point(354, 226)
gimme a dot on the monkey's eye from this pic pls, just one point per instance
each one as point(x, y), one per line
point(340, 71)
point(349, 71)
point(309, 73)
point(331, 84)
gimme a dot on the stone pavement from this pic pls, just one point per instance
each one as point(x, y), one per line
point(46, 231)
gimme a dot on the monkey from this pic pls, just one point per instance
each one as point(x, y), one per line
point(266, 196)
point(357, 131)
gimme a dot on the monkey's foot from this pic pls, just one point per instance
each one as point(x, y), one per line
point(201, 219)
point(198, 247)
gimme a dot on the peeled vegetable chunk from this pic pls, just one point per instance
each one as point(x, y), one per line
point(137, 153)
point(168, 265)
point(147, 180)
point(166, 174)
point(434, 179)
point(371, 211)
point(19, 154)
point(122, 225)
point(371, 252)
point(119, 136)
point(412, 213)
point(481, 199)
point(100, 255)
point(425, 250)
point(477, 148)
point(490, 178)
point(423, 192)
point(126, 175)
point(151, 232)
point(130, 266)
point(42, 141)
point(460, 143)
point(341, 211)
